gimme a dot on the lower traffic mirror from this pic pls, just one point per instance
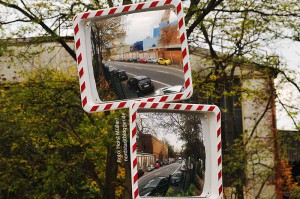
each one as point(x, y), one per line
point(175, 150)
point(172, 153)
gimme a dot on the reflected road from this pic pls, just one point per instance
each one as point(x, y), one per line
point(165, 170)
point(164, 75)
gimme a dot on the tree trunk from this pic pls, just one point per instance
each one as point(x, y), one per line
point(111, 173)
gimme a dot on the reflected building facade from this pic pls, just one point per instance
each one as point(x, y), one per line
point(151, 145)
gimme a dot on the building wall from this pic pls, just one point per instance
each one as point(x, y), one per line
point(150, 144)
point(258, 132)
point(23, 58)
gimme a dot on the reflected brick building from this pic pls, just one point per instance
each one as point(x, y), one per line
point(150, 144)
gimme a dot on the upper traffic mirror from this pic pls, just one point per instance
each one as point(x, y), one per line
point(132, 52)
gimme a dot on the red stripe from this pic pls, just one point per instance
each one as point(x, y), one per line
point(153, 4)
point(112, 11)
point(150, 100)
point(133, 132)
point(186, 67)
point(77, 43)
point(76, 29)
point(188, 107)
point(140, 6)
point(180, 23)
point(75, 18)
point(136, 193)
point(82, 87)
point(219, 146)
point(81, 72)
point(220, 189)
point(122, 104)
point(133, 117)
point(163, 99)
point(218, 116)
point(154, 105)
point(85, 15)
point(84, 101)
point(219, 132)
point(134, 147)
point(184, 53)
point(143, 104)
point(168, 2)
point(200, 107)
point(134, 162)
point(99, 13)
point(166, 105)
point(219, 160)
point(178, 8)
point(94, 108)
point(178, 106)
point(79, 59)
point(220, 175)
point(187, 83)
point(135, 178)
point(126, 8)
point(178, 96)
point(189, 94)
point(182, 38)
point(211, 108)
point(107, 107)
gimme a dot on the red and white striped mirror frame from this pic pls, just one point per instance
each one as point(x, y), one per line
point(87, 87)
point(213, 187)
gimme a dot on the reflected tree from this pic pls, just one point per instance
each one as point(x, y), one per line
point(168, 34)
point(104, 37)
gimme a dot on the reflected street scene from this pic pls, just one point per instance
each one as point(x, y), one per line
point(137, 55)
point(171, 153)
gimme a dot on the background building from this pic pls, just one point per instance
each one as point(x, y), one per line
point(152, 145)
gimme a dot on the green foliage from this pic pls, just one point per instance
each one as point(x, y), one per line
point(295, 193)
point(190, 192)
point(48, 145)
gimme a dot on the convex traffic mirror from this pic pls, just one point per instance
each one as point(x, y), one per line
point(177, 150)
point(132, 52)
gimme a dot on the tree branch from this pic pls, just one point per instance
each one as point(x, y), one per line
point(211, 5)
point(43, 25)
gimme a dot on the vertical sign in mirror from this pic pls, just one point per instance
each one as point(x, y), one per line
point(178, 150)
point(137, 55)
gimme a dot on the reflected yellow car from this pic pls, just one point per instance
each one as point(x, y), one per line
point(163, 61)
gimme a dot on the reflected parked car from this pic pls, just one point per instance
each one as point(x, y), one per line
point(141, 84)
point(150, 168)
point(169, 90)
point(183, 167)
point(140, 172)
point(156, 165)
point(155, 187)
point(135, 59)
point(143, 60)
point(121, 74)
point(163, 61)
point(176, 178)
point(110, 68)
point(152, 60)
